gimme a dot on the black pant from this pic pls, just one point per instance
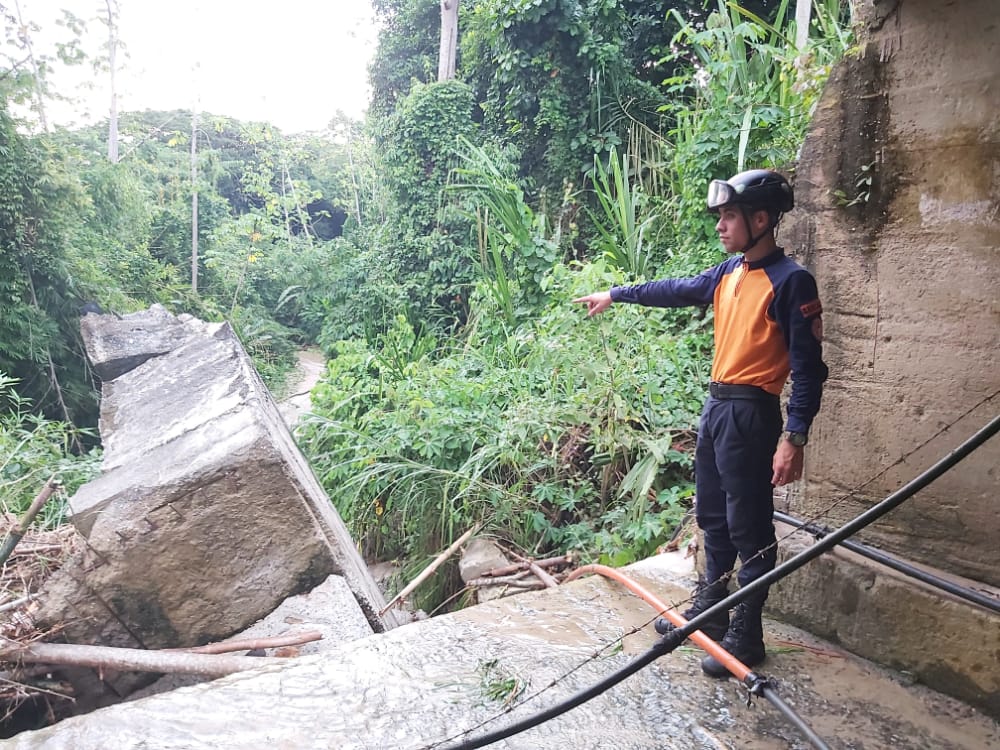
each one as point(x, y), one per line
point(734, 501)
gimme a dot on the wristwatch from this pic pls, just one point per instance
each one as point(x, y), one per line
point(798, 439)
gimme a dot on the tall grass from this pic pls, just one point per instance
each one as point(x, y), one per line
point(530, 434)
point(32, 449)
point(625, 217)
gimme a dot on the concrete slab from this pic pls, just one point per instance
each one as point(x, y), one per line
point(419, 685)
point(942, 641)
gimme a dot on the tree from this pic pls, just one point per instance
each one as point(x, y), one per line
point(449, 40)
point(24, 34)
point(194, 200)
point(39, 204)
point(408, 50)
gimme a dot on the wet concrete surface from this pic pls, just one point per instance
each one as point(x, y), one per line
point(423, 685)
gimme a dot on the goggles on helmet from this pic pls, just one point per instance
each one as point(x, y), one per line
point(720, 193)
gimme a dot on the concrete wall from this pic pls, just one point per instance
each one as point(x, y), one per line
point(910, 280)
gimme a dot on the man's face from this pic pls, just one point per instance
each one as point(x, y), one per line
point(732, 229)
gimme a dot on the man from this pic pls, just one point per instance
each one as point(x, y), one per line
point(768, 325)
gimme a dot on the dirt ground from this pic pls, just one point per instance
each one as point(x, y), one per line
point(311, 366)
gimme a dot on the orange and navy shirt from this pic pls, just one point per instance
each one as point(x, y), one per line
point(768, 324)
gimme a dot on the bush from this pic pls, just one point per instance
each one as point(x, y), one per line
point(564, 433)
point(32, 449)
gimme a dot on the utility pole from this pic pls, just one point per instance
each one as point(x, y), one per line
point(803, 11)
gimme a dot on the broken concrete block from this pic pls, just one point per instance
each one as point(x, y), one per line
point(117, 344)
point(207, 516)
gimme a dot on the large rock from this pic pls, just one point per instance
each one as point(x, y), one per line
point(328, 609)
point(481, 556)
point(207, 516)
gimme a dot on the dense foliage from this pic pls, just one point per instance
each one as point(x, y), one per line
point(433, 251)
point(597, 125)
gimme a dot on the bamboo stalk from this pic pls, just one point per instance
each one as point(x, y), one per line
point(17, 602)
point(14, 535)
point(249, 644)
point(132, 659)
point(426, 573)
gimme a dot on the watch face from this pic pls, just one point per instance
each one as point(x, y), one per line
point(796, 438)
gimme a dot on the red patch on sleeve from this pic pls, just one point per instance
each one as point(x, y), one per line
point(811, 308)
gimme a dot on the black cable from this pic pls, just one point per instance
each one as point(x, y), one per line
point(675, 637)
point(775, 700)
point(664, 646)
point(890, 561)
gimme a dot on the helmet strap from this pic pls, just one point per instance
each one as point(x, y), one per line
point(771, 224)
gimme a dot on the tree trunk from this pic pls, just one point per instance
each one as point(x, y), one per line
point(449, 40)
point(53, 376)
point(36, 72)
point(112, 62)
point(132, 660)
point(803, 10)
point(194, 199)
point(354, 178)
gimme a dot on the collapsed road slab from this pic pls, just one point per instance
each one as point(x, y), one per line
point(490, 665)
point(207, 516)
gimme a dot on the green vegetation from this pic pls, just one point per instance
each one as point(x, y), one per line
point(432, 252)
point(32, 449)
point(499, 684)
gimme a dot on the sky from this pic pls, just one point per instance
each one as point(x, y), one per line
point(292, 63)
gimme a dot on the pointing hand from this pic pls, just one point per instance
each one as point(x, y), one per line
point(596, 303)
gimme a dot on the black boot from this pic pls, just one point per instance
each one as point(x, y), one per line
point(705, 596)
point(744, 640)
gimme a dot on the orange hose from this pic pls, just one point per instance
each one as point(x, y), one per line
point(736, 667)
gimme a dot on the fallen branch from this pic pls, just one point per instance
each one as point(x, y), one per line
point(541, 575)
point(36, 549)
point(426, 573)
point(517, 583)
point(498, 580)
point(250, 644)
point(131, 659)
point(15, 534)
point(549, 562)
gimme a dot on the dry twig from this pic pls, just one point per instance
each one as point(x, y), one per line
point(426, 573)
point(15, 534)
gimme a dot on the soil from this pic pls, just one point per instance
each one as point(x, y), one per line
point(311, 366)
